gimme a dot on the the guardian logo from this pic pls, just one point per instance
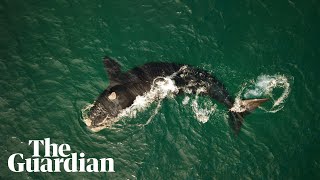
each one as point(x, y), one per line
point(57, 158)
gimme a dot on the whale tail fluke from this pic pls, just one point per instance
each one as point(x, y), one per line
point(240, 109)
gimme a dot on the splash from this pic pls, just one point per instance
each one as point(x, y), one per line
point(161, 88)
point(202, 111)
point(274, 87)
point(84, 112)
point(186, 100)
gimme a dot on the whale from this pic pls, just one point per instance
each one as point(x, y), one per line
point(125, 86)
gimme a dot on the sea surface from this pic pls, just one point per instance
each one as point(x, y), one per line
point(51, 69)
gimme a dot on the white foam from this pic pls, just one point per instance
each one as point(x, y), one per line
point(186, 100)
point(84, 113)
point(161, 88)
point(237, 106)
point(202, 113)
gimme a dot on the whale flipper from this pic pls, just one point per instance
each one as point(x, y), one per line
point(112, 67)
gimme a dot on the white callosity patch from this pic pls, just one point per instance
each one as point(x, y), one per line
point(264, 86)
point(112, 96)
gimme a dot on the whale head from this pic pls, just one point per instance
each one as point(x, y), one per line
point(107, 107)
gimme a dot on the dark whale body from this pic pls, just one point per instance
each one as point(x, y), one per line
point(124, 87)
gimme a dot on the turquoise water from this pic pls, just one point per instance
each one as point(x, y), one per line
point(51, 68)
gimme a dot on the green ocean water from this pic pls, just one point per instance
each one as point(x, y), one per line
point(51, 68)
